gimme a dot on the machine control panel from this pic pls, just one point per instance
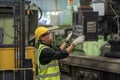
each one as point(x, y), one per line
point(85, 24)
point(77, 30)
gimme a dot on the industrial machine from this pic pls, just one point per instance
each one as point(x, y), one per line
point(103, 18)
point(17, 45)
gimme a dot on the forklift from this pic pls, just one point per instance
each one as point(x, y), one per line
point(17, 43)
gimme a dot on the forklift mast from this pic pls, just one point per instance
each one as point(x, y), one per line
point(17, 61)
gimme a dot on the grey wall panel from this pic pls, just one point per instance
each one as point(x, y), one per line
point(46, 5)
point(61, 4)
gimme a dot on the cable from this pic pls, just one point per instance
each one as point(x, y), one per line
point(116, 17)
point(39, 10)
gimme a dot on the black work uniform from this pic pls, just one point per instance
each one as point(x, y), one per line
point(48, 54)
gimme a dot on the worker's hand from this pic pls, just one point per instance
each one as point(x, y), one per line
point(68, 37)
point(78, 40)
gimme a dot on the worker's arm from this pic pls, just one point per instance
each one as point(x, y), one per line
point(80, 39)
point(48, 54)
point(63, 46)
point(70, 48)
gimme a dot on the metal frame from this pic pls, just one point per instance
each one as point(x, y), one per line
point(19, 30)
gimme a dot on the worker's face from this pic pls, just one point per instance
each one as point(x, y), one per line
point(48, 38)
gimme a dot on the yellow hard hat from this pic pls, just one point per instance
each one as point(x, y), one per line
point(39, 31)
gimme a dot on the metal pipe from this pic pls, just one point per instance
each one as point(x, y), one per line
point(22, 33)
point(14, 36)
point(22, 37)
point(16, 33)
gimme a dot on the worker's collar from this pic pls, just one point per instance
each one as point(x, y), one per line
point(47, 45)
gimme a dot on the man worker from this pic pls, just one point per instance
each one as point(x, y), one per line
point(48, 56)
